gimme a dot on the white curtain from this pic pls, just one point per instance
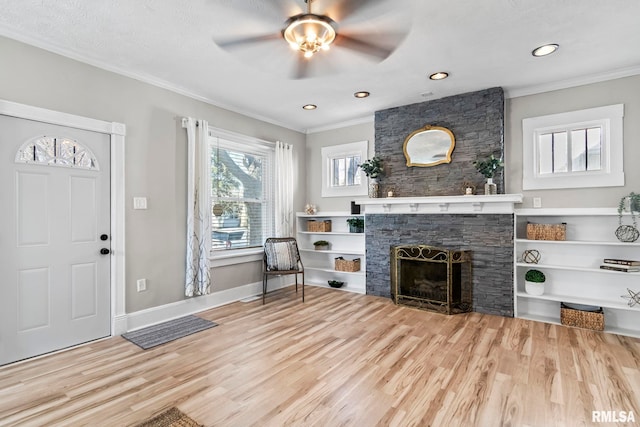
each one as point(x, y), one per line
point(198, 278)
point(284, 190)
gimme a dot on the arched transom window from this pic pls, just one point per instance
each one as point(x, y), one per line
point(56, 151)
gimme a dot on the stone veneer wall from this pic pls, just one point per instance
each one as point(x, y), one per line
point(489, 237)
point(477, 122)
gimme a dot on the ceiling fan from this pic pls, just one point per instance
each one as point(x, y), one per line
point(312, 36)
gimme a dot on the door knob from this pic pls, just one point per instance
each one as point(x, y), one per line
point(105, 251)
point(104, 237)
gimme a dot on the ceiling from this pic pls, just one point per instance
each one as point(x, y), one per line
point(482, 44)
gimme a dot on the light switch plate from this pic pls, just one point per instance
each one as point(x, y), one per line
point(139, 203)
point(537, 202)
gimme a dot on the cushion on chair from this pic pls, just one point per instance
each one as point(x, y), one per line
point(281, 256)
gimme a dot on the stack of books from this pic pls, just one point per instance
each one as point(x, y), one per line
point(627, 265)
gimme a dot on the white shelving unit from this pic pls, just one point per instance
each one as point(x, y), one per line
point(572, 267)
point(319, 265)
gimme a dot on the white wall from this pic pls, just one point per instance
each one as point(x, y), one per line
point(155, 158)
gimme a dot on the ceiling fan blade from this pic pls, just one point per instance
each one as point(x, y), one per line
point(362, 46)
point(272, 10)
point(343, 9)
point(238, 42)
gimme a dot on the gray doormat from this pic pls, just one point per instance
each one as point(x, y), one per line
point(163, 333)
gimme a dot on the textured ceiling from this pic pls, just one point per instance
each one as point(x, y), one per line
point(481, 44)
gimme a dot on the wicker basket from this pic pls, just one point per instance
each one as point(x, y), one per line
point(318, 226)
point(582, 319)
point(547, 231)
point(347, 265)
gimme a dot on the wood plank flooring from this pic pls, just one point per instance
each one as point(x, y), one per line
point(339, 359)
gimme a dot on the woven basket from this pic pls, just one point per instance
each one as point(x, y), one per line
point(582, 319)
point(347, 265)
point(318, 226)
point(547, 231)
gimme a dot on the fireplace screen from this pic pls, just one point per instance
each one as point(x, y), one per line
point(431, 278)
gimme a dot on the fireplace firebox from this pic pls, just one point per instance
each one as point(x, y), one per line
point(431, 278)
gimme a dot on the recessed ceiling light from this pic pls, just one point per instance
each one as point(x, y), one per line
point(440, 75)
point(545, 50)
point(361, 94)
point(309, 107)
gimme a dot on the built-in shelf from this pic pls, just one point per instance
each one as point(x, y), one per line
point(577, 268)
point(572, 267)
point(320, 264)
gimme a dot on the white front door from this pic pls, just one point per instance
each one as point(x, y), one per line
point(54, 223)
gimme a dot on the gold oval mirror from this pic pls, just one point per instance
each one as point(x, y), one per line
point(429, 146)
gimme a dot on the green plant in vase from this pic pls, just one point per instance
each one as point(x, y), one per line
point(489, 168)
point(320, 245)
point(356, 224)
point(373, 169)
point(534, 282)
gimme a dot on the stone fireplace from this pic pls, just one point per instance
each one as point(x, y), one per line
point(431, 278)
point(429, 208)
point(481, 225)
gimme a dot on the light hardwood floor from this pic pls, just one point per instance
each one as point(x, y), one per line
point(337, 359)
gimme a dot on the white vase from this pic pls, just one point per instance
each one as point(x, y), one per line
point(373, 188)
point(534, 288)
point(490, 187)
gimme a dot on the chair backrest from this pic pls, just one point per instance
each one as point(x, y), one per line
point(281, 254)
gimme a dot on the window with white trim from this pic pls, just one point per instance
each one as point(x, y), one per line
point(56, 151)
point(576, 149)
point(341, 175)
point(242, 193)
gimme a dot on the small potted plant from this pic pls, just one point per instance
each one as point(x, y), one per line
point(629, 203)
point(489, 168)
point(356, 224)
point(534, 282)
point(373, 169)
point(321, 245)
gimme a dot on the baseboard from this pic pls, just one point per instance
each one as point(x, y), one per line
point(151, 316)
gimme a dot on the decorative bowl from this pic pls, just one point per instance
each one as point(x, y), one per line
point(335, 283)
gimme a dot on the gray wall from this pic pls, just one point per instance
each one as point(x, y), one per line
point(620, 91)
point(625, 90)
point(315, 142)
point(155, 158)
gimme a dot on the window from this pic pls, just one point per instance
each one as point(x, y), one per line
point(575, 149)
point(241, 190)
point(56, 151)
point(341, 175)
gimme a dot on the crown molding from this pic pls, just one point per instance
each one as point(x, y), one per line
point(367, 119)
point(569, 83)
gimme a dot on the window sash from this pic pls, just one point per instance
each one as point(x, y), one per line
point(241, 217)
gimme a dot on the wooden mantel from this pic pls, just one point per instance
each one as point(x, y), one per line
point(494, 204)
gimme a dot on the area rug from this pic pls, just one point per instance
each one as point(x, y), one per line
point(163, 333)
point(170, 418)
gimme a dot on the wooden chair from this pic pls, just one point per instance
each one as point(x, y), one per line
point(281, 257)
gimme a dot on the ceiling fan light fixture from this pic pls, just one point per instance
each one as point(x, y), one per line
point(309, 33)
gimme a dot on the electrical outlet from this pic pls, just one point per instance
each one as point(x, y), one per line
point(537, 202)
point(142, 285)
